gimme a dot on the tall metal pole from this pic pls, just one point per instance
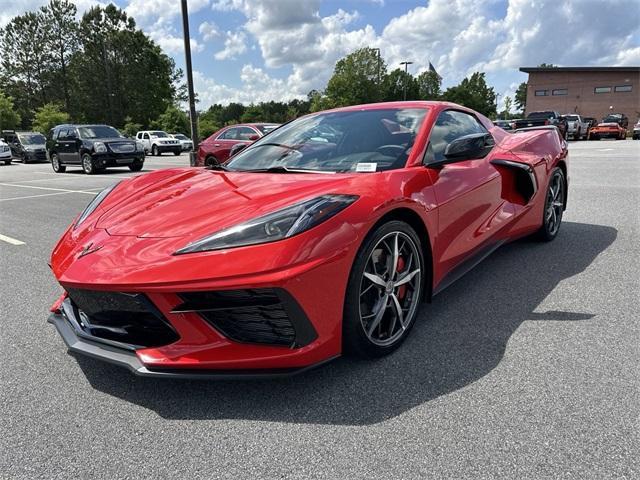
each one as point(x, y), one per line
point(404, 87)
point(192, 100)
point(379, 70)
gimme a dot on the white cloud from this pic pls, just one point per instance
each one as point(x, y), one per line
point(234, 44)
point(208, 30)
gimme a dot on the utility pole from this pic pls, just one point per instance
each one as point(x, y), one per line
point(192, 100)
point(379, 68)
point(497, 100)
point(404, 89)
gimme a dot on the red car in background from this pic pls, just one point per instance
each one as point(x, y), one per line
point(322, 238)
point(224, 143)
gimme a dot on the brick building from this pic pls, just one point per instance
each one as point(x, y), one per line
point(588, 91)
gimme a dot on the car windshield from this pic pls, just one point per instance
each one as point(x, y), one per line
point(98, 131)
point(572, 118)
point(343, 141)
point(159, 134)
point(540, 115)
point(180, 136)
point(611, 118)
point(32, 138)
point(267, 128)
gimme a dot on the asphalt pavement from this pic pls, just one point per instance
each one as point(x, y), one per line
point(528, 367)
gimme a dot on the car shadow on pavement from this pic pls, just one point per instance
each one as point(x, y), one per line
point(458, 339)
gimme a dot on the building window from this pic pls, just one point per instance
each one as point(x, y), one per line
point(542, 93)
point(602, 90)
point(560, 91)
point(623, 88)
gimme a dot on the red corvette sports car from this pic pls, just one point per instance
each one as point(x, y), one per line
point(322, 238)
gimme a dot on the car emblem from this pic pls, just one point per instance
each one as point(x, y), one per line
point(89, 249)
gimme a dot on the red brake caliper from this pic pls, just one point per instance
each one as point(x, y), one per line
point(403, 288)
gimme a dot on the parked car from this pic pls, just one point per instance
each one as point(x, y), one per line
point(577, 126)
point(26, 146)
point(284, 258)
point(619, 118)
point(636, 131)
point(217, 148)
point(5, 152)
point(504, 124)
point(158, 142)
point(608, 129)
point(93, 148)
point(185, 142)
point(542, 118)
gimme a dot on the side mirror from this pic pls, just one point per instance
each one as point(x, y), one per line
point(254, 137)
point(237, 148)
point(468, 147)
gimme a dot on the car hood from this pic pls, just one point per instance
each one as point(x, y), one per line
point(195, 202)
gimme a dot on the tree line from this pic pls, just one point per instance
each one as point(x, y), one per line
point(103, 69)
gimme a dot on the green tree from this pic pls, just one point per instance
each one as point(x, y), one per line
point(356, 79)
point(429, 85)
point(9, 118)
point(48, 116)
point(131, 128)
point(207, 127)
point(174, 120)
point(506, 112)
point(393, 86)
point(521, 97)
point(60, 23)
point(473, 92)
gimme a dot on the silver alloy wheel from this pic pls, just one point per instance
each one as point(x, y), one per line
point(55, 162)
point(389, 288)
point(555, 204)
point(87, 166)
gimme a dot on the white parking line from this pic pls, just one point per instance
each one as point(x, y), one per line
point(52, 189)
point(67, 178)
point(10, 240)
point(34, 196)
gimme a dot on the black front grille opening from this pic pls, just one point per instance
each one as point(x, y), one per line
point(262, 316)
point(121, 317)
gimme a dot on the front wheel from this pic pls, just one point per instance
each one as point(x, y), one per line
point(136, 167)
point(56, 165)
point(176, 153)
point(87, 164)
point(384, 291)
point(553, 207)
point(7, 162)
point(154, 151)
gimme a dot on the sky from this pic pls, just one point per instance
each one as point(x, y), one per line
point(259, 50)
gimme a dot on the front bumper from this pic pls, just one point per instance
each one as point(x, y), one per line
point(112, 159)
point(35, 156)
point(169, 148)
point(129, 360)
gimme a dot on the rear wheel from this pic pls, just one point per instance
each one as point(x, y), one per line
point(384, 291)
point(56, 165)
point(87, 164)
point(210, 160)
point(553, 207)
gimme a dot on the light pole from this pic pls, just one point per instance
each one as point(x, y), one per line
point(497, 101)
point(192, 100)
point(404, 88)
point(379, 68)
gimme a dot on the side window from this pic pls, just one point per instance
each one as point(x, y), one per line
point(145, 136)
point(62, 134)
point(138, 135)
point(231, 134)
point(245, 133)
point(451, 124)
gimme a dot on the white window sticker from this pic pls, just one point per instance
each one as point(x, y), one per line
point(366, 167)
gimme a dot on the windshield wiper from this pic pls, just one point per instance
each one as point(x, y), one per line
point(270, 144)
point(283, 169)
point(218, 166)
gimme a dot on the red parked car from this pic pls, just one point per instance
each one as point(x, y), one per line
point(226, 141)
point(323, 238)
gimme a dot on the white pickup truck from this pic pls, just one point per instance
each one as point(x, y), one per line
point(157, 142)
point(577, 126)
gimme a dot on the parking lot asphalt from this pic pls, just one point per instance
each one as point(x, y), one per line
point(528, 367)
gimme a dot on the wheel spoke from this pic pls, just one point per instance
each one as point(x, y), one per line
point(375, 279)
point(406, 278)
point(396, 254)
point(379, 314)
point(398, 309)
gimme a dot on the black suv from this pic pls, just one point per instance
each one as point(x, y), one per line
point(26, 146)
point(92, 147)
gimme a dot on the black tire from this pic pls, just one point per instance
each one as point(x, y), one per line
point(552, 220)
point(136, 167)
point(87, 164)
point(154, 151)
point(7, 162)
point(56, 165)
point(24, 159)
point(176, 153)
point(355, 339)
point(210, 160)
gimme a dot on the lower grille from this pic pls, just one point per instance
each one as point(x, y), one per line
point(127, 318)
point(264, 316)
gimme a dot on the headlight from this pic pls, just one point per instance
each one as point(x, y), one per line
point(99, 147)
point(97, 200)
point(274, 226)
